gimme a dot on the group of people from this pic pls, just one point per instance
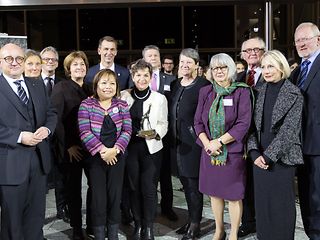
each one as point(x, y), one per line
point(237, 137)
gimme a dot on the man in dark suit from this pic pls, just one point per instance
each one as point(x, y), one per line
point(25, 124)
point(107, 50)
point(57, 176)
point(251, 51)
point(307, 78)
point(160, 82)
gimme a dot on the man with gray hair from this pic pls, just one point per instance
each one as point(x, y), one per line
point(251, 51)
point(307, 78)
point(56, 178)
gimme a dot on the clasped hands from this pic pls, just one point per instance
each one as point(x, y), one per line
point(32, 139)
point(261, 163)
point(109, 155)
point(213, 148)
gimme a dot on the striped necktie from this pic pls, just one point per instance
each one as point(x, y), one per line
point(250, 79)
point(21, 92)
point(303, 73)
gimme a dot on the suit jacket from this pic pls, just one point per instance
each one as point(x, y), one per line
point(237, 116)
point(311, 109)
point(286, 124)
point(165, 81)
point(123, 75)
point(158, 116)
point(14, 157)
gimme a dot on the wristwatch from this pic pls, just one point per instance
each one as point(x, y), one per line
point(220, 141)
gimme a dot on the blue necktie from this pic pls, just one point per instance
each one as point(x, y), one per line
point(21, 92)
point(303, 73)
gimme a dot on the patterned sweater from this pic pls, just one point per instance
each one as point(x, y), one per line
point(91, 117)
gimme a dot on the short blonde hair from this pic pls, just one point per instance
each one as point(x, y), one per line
point(279, 61)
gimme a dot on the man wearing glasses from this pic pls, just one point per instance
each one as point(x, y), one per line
point(56, 178)
point(50, 60)
point(251, 51)
point(168, 64)
point(25, 124)
point(307, 78)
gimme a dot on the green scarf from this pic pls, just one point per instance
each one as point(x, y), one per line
point(217, 118)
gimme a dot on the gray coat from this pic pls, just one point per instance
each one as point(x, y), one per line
point(286, 124)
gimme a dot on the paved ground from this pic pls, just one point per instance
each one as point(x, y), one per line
point(56, 229)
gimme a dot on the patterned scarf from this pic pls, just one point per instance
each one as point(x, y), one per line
point(217, 118)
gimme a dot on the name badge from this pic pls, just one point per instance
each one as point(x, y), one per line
point(227, 102)
point(166, 87)
point(115, 110)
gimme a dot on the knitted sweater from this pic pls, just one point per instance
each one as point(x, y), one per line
point(90, 119)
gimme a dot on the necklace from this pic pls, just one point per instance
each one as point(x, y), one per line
point(134, 92)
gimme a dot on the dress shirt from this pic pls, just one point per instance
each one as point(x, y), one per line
point(14, 86)
point(111, 68)
point(311, 59)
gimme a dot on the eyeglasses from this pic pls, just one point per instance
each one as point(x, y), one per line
point(10, 59)
point(46, 60)
point(303, 40)
point(221, 68)
point(250, 50)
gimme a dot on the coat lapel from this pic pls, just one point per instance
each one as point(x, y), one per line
point(284, 102)
point(313, 70)
point(7, 91)
point(259, 105)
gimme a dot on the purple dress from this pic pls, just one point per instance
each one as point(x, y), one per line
point(226, 182)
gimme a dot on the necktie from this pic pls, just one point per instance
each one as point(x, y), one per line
point(49, 85)
point(154, 82)
point(21, 92)
point(250, 80)
point(303, 73)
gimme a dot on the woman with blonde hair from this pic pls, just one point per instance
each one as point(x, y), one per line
point(274, 146)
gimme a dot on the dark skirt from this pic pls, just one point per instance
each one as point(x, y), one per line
point(275, 202)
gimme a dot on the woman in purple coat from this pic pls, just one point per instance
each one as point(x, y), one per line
point(222, 121)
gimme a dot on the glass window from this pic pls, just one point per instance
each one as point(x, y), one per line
point(12, 23)
point(280, 25)
point(52, 28)
point(250, 22)
point(209, 26)
point(159, 26)
point(97, 23)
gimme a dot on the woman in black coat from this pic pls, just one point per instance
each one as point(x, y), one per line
point(185, 152)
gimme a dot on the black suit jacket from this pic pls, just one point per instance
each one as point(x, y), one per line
point(14, 157)
point(311, 110)
point(165, 81)
point(123, 75)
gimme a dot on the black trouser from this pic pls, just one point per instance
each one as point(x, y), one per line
point(74, 186)
point(23, 206)
point(193, 197)
point(143, 170)
point(60, 174)
point(165, 178)
point(249, 216)
point(125, 197)
point(106, 187)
